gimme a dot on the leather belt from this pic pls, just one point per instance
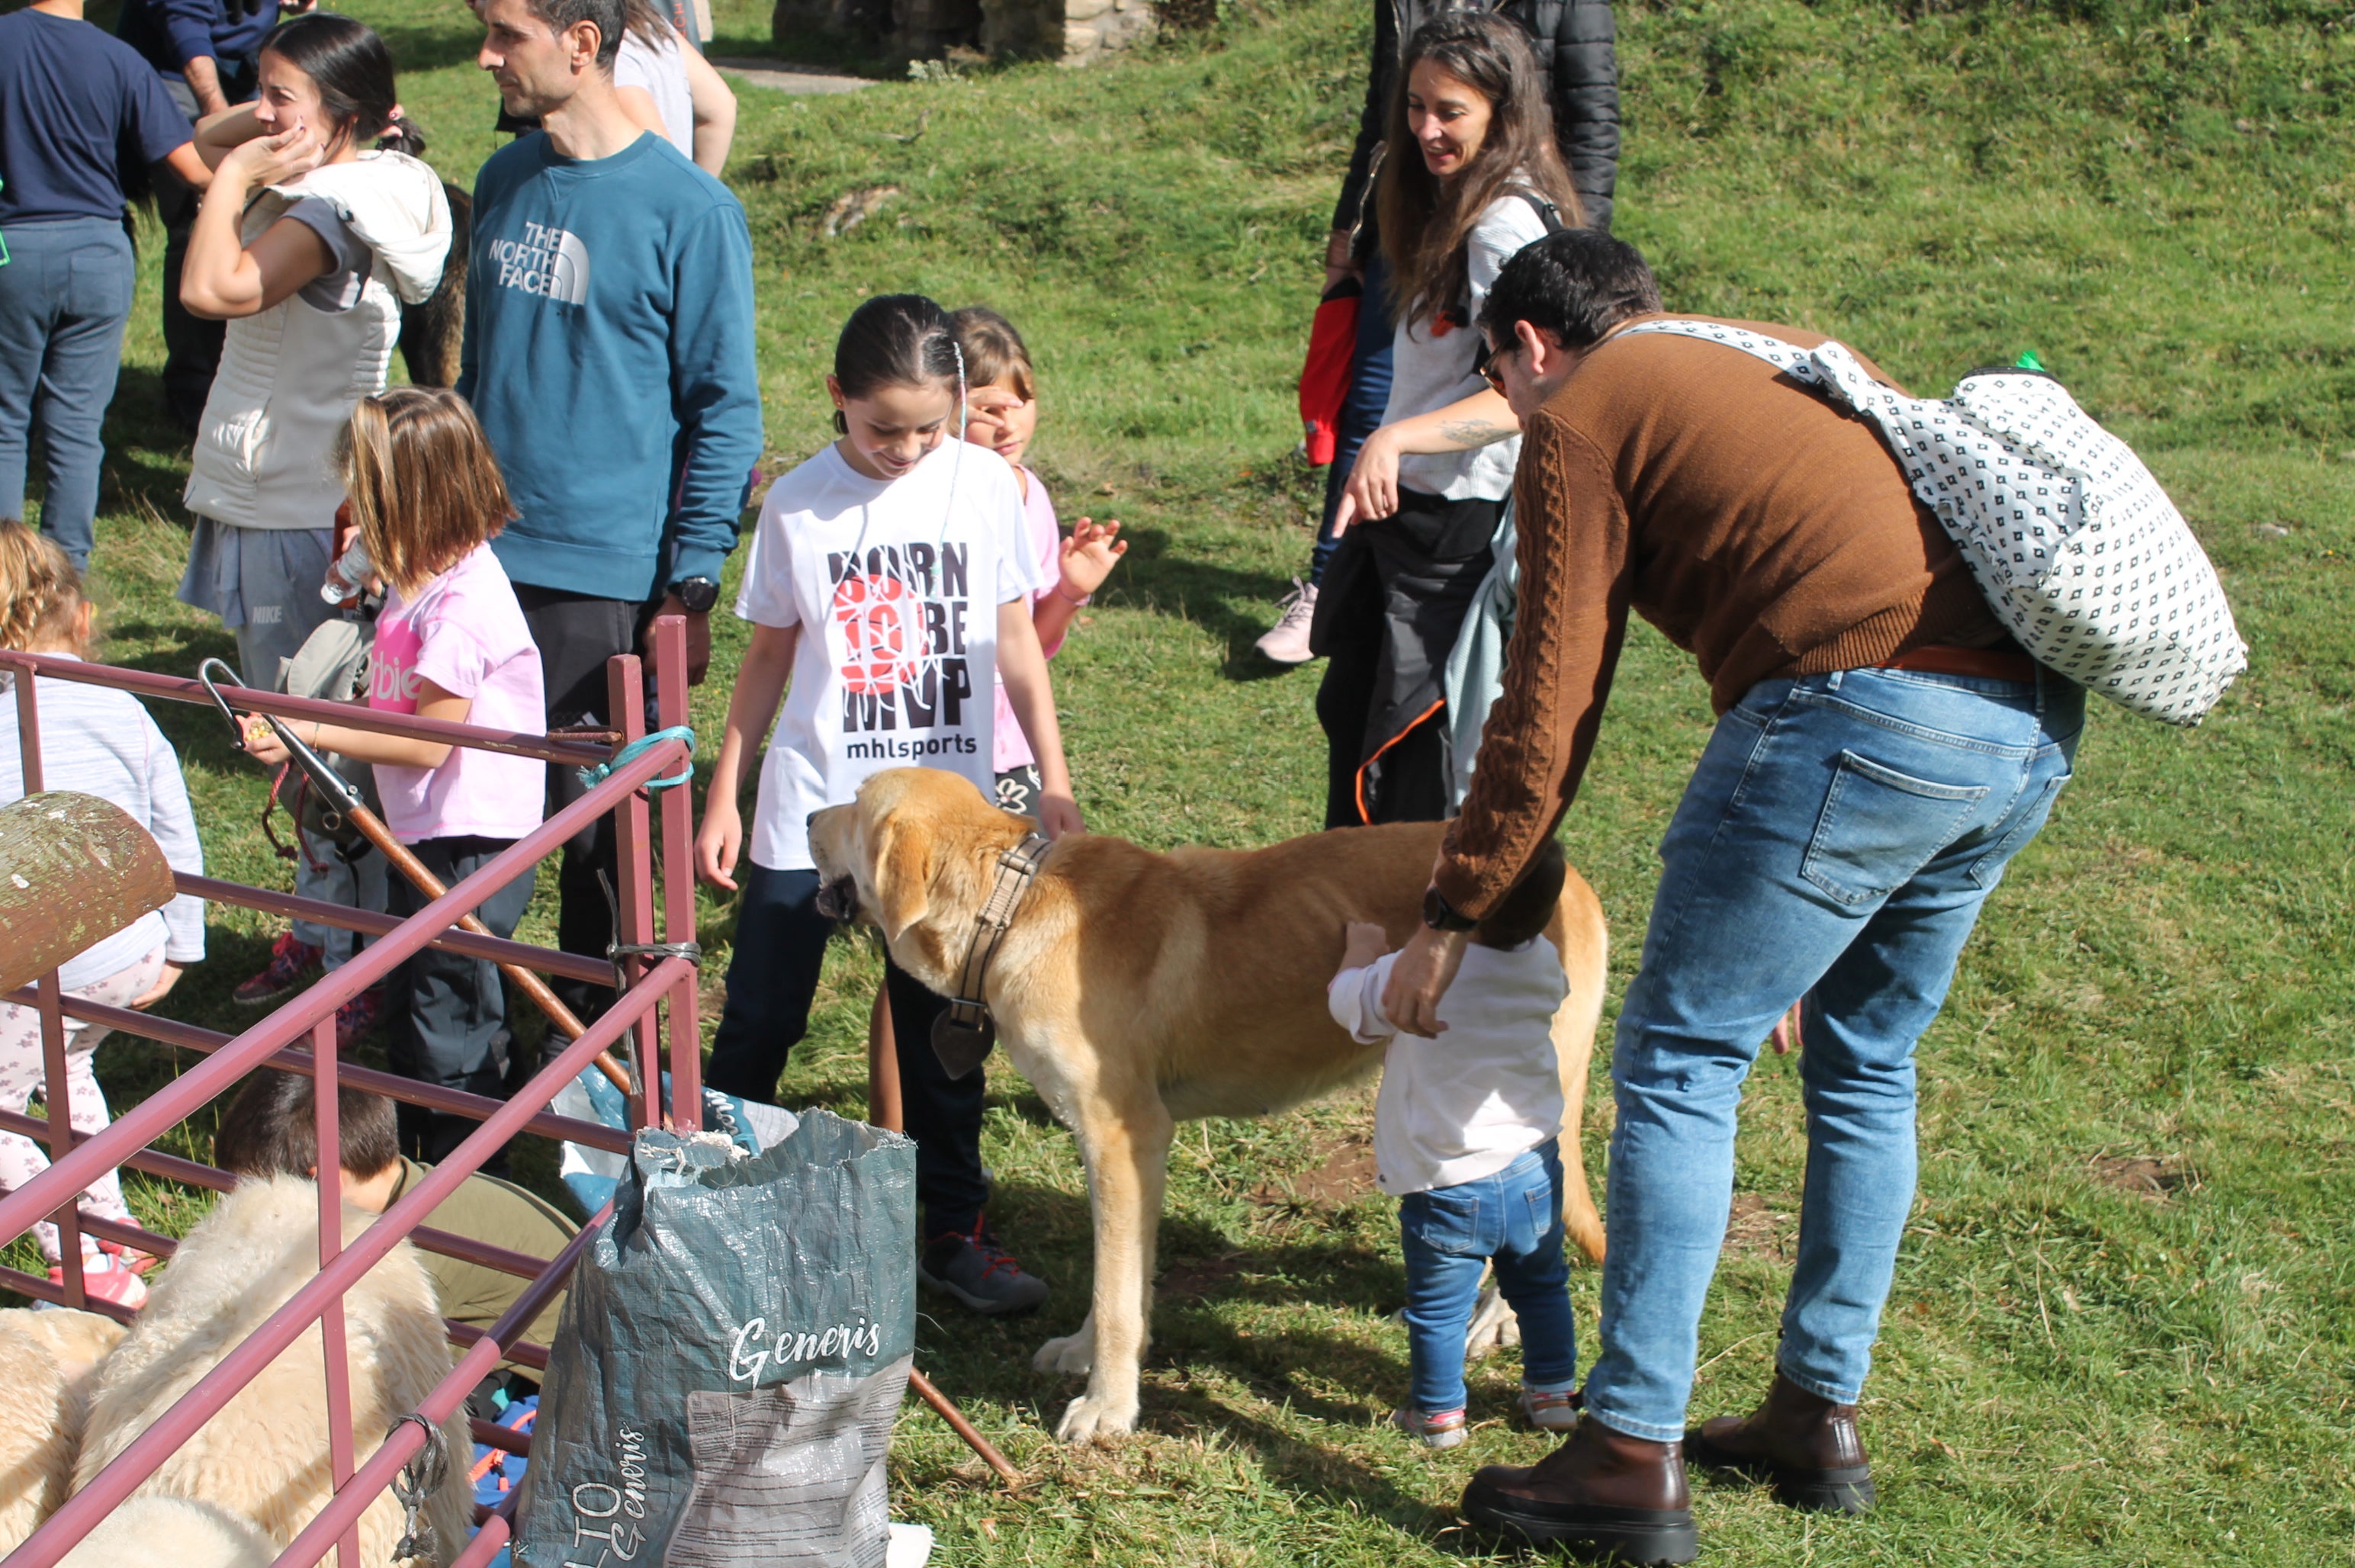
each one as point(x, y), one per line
point(964, 1033)
point(1984, 664)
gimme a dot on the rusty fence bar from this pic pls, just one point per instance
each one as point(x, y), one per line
point(391, 1085)
point(655, 973)
point(573, 754)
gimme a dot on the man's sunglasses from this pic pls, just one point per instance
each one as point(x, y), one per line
point(1483, 366)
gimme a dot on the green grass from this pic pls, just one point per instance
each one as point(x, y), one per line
point(2154, 196)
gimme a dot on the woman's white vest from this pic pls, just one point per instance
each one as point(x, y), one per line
point(290, 375)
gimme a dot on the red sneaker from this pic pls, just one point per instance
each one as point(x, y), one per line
point(291, 964)
point(132, 1258)
point(104, 1279)
point(356, 1017)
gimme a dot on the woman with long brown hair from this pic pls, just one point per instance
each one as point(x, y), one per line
point(1471, 176)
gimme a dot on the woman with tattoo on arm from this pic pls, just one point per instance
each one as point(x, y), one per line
point(1471, 174)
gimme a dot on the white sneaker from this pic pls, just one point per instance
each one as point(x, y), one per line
point(1287, 641)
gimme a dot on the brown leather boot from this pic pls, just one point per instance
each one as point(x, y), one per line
point(1601, 1494)
point(1804, 1445)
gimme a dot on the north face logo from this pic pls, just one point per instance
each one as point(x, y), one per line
point(550, 262)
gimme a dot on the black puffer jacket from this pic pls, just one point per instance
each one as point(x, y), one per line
point(1575, 52)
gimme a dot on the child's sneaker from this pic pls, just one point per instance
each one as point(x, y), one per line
point(106, 1279)
point(1438, 1429)
point(132, 1258)
point(1550, 1412)
point(291, 964)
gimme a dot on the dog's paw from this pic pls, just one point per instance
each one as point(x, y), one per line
point(1093, 1417)
point(1074, 1355)
point(1492, 1327)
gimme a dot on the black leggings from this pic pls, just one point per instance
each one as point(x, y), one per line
point(772, 976)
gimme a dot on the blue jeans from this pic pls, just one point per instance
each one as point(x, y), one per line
point(1835, 844)
point(64, 296)
point(1513, 1220)
point(1362, 410)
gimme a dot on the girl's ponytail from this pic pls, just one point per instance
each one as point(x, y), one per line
point(895, 340)
point(40, 592)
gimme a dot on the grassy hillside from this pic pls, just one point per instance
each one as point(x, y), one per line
point(2124, 1322)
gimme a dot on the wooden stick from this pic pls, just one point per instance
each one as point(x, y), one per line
point(948, 1412)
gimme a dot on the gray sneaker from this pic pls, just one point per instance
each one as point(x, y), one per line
point(1287, 641)
point(983, 1276)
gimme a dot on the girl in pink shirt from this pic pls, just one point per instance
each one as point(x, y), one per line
point(451, 643)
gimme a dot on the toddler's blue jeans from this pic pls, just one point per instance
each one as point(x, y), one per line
point(1512, 1219)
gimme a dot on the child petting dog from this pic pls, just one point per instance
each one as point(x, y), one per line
point(1465, 1137)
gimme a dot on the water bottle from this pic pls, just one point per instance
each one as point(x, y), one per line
point(348, 575)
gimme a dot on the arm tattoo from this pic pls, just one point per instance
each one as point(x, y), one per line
point(1475, 432)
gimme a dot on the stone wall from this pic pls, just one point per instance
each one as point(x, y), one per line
point(1074, 32)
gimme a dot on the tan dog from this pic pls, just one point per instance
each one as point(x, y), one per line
point(48, 1358)
point(1136, 990)
point(239, 1492)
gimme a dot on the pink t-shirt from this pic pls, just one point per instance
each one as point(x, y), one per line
point(1011, 747)
point(465, 633)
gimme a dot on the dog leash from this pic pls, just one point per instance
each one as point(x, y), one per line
point(961, 1037)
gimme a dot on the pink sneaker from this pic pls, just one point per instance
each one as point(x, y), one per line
point(106, 1279)
point(291, 964)
point(1436, 1428)
point(1550, 1412)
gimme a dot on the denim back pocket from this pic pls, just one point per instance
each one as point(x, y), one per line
point(1879, 827)
point(1448, 1221)
point(1987, 870)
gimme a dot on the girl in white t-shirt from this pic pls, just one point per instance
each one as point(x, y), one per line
point(888, 585)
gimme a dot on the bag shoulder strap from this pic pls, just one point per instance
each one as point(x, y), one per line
point(1548, 212)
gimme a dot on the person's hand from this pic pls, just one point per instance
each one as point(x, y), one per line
point(1372, 490)
point(719, 841)
point(1362, 941)
point(1088, 556)
point(698, 638)
point(1059, 816)
point(1338, 263)
point(1786, 1031)
point(274, 160)
point(1425, 968)
point(262, 741)
point(159, 990)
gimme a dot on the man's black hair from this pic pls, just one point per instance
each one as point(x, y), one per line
point(1577, 284)
point(269, 1130)
point(612, 18)
point(1522, 915)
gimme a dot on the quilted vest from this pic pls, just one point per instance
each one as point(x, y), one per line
point(290, 375)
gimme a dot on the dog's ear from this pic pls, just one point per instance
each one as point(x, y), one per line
point(902, 875)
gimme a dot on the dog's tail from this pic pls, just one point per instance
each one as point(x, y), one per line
point(1577, 932)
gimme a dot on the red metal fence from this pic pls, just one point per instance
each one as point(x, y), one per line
point(78, 1159)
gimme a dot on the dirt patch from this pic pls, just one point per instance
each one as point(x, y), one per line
point(1195, 1279)
point(2155, 1179)
point(1756, 1230)
point(1344, 1175)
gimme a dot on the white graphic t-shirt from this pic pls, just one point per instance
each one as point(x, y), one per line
point(896, 587)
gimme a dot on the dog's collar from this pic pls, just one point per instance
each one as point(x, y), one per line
point(962, 1034)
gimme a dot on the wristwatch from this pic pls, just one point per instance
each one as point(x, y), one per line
point(1441, 915)
point(696, 595)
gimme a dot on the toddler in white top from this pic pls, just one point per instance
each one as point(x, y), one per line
point(1465, 1137)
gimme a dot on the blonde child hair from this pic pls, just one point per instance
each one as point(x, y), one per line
point(424, 487)
point(41, 597)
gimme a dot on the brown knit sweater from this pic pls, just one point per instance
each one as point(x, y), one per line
point(1758, 527)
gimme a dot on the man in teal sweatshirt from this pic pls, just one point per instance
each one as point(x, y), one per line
point(609, 355)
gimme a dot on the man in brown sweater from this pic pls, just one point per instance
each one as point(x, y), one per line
point(1882, 750)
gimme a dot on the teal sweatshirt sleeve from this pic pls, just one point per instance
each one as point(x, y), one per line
point(715, 392)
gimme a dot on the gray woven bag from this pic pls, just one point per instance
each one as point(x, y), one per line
point(2078, 552)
